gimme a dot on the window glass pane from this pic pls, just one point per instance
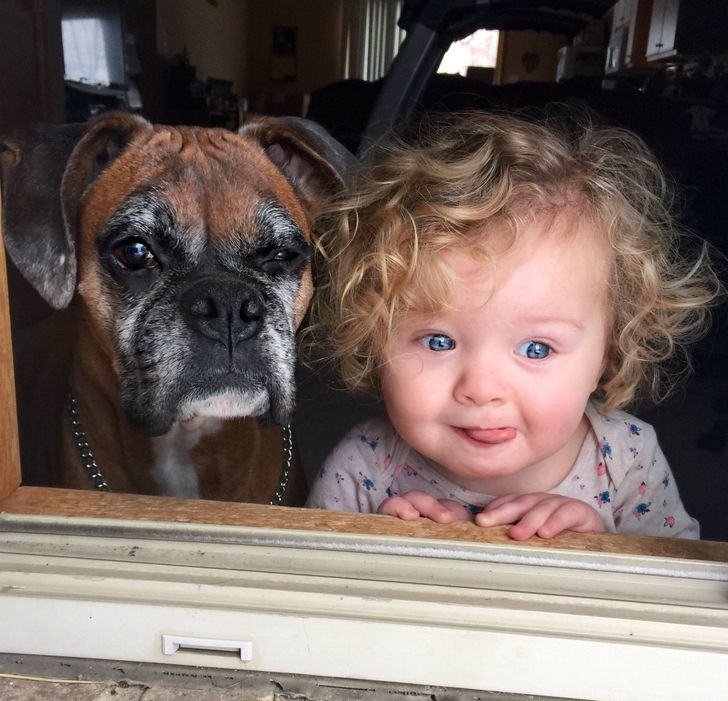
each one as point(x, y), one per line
point(480, 49)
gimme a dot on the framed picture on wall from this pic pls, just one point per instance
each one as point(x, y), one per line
point(283, 54)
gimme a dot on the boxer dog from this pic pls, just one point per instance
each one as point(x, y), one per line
point(179, 257)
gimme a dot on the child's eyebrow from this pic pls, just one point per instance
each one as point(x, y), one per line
point(555, 321)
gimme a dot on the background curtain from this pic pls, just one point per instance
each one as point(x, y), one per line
point(371, 37)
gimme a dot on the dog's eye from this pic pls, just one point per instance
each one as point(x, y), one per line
point(135, 255)
point(283, 255)
point(280, 260)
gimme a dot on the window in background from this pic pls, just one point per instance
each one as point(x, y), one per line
point(371, 37)
point(478, 51)
point(93, 52)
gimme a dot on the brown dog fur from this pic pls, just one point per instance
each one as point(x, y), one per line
point(212, 180)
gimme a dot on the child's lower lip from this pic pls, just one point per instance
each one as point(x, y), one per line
point(490, 435)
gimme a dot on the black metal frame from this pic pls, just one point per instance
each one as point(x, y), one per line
point(432, 25)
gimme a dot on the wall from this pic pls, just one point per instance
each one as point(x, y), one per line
point(31, 63)
point(516, 48)
point(233, 41)
point(140, 19)
point(214, 34)
point(318, 48)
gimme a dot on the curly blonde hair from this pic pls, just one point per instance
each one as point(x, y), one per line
point(452, 179)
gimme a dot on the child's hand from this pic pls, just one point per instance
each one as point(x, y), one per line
point(546, 515)
point(412, 505)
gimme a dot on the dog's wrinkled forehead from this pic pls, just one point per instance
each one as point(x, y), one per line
point(211, 180)
point(149, 213)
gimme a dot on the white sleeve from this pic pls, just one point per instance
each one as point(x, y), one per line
point(648, 502)
point(351, 477)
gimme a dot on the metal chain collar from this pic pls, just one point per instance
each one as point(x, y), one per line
point(287, 462)
point(84, 450)
point(97, 477)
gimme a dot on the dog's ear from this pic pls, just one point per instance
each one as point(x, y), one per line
point(32, 163)
point(45, 170)
point(105, 139)
point(306, 153)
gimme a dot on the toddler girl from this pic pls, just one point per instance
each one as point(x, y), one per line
point(507, 288)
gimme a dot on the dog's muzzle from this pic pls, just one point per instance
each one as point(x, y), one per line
point(223, 347)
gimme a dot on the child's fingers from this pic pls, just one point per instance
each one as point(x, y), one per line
point(429, 507)
point(458, 510)
point(533, 520)
point(571, 516)
point(507, 509)
point(398, 507)
point(553, 516)
point(544, 514)
point(495, 503)
point(412, 505)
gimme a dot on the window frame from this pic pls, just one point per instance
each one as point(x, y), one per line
point(470, 608)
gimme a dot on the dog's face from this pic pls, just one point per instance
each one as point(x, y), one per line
point(193, 263)
point(199, 276)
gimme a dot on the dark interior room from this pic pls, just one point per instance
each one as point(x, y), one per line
point(658, 67)
point(162, 167)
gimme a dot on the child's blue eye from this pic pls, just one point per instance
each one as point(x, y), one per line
point(535, 350)
point(437, 342)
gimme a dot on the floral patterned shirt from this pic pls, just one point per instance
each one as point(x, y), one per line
point(620, 471)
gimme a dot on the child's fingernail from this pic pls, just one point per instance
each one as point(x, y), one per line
point(518, 534)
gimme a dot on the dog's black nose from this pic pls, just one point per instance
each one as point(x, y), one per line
point(227, 312)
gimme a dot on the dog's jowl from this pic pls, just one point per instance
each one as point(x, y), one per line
point(178, 261)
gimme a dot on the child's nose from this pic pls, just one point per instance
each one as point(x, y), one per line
point(480, 382)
